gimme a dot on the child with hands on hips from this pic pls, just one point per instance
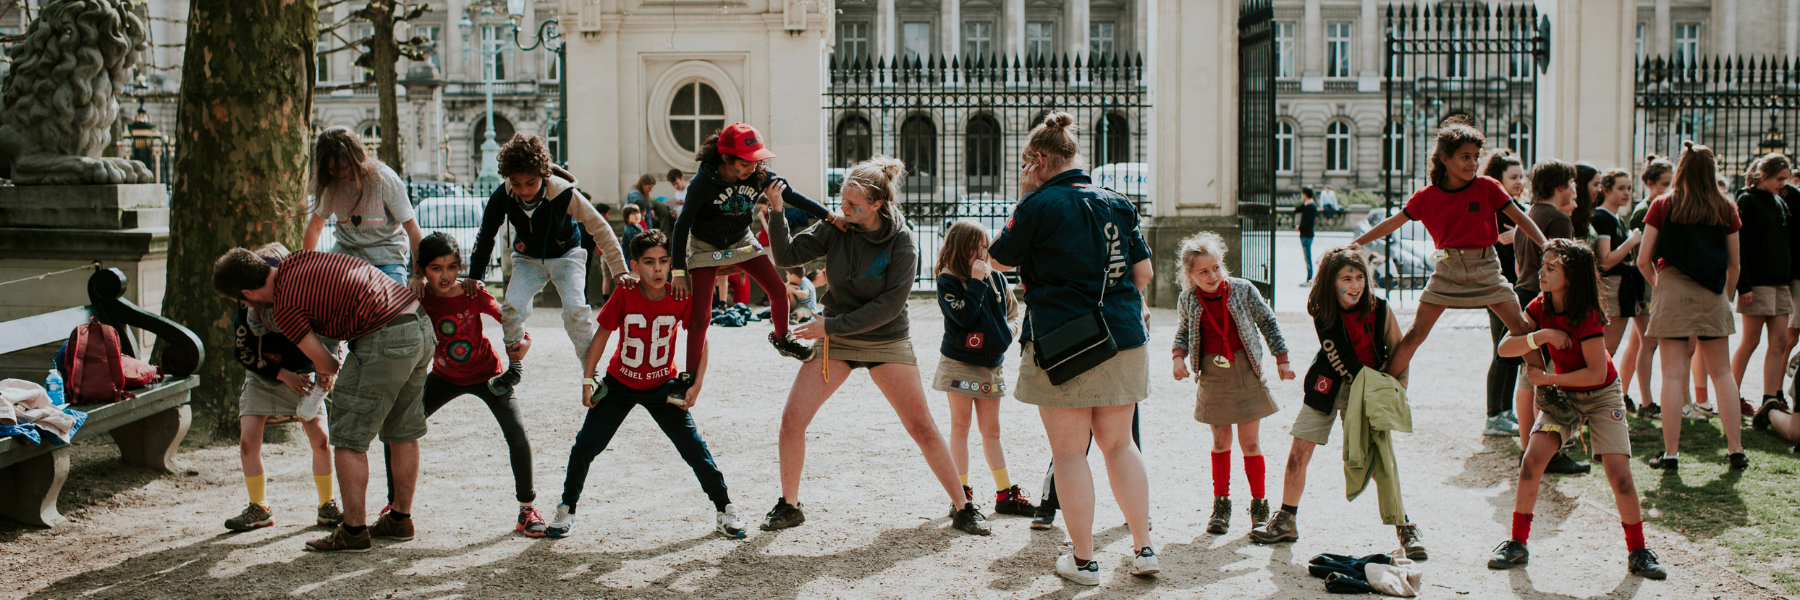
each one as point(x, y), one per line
point(1223, 321)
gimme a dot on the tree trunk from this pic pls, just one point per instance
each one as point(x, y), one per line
point(246, 107)
point(386, 56)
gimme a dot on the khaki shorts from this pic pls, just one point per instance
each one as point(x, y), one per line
point(1767, 301)
point(859, 351)
point(1609, 296)
point(1314, 426)
point(963, 379)
point(265, 397)
point(1602, 410)
point(1123, 379)
point(1683, 308)
point(1468, 278)
point(702, 254)
point(381, 387)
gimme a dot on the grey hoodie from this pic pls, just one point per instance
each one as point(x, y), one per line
point(870, 272)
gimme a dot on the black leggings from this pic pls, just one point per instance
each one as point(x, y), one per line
point(1050, 473)
point(1503, 372)
point(506, 412)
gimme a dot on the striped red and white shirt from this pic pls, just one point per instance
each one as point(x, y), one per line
point(334, 295)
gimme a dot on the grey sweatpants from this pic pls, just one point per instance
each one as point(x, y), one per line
point(569, 273)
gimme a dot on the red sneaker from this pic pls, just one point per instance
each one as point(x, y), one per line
point(531, 523)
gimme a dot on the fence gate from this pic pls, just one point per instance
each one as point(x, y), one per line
point(1477, 61)
point(1256, 137)
point(1741, 107)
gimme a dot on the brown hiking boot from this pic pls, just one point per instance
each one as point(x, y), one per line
point(340, 540)
point(1411, 541)
point(389, 527)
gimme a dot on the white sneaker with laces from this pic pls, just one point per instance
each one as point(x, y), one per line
point(1693, 412)
point(311, 404)
point(1088, 575)
point(564, 521)
point(729, 524)
point(1145, 562)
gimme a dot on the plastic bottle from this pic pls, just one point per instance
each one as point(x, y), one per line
point(54, 385)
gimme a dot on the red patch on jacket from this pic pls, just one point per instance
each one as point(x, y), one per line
point(974, 340)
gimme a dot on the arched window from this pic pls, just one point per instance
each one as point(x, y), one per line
point(1518, 137)
point(853, 142)
point(371, 137)
point(695, 113)
point(1284, 146)
point(503, 130)
point(918, 149)
point(1393, 148)
point(981, 143)
point(1337, 146)
point(1112, 139)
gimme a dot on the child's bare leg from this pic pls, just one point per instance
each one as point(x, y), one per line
point(1747, 344)
point(1730, 416)
point(1293, 481)
point(987, 417)
point(1775, 363)
point(1674, 382)
point(1625, 493)
point(960, 409)
point(1543, 445)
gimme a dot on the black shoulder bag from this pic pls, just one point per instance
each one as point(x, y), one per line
point(1077, 346)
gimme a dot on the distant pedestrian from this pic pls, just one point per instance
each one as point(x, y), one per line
point(1305, 217)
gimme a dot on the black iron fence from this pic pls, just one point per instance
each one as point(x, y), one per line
point(1479, 62)
point(961, 123)
point(1256, 203)
point(1741, 107)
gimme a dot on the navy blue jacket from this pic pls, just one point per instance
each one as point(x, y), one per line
point(720, 213)
point(976, 327)
point(1071, 239)
point(551, 230)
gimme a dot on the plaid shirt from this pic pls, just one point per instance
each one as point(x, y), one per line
point(334, 295)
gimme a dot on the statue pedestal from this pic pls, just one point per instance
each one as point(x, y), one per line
point(51, 228)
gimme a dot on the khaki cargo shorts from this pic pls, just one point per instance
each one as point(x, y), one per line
point(382, 385)
point(1602, 410)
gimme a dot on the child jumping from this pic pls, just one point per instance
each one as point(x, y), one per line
point(648, 320)
point(979, 316)
point(1221, 317)
point(1568, 327)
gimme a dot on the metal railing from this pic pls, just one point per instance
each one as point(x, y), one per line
point(1741, 107)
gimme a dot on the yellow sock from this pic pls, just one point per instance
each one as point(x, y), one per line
point(323, 484)
point(1001, 481)
point(965, 479)
point(255, 485)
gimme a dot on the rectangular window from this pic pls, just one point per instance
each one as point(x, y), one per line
point(1687, 42)
point(917, 39)
point(1040, 38)
point(323, 60)
point(1640, 40)
point(493, 66)
point(853, 39)
point(1337, 49)
point(552, 61)
point(433, 33)
point(1101, 36)
point(978, 38)
point(1284, 49)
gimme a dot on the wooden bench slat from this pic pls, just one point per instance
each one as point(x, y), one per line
point(104, 418)
point(31, 332)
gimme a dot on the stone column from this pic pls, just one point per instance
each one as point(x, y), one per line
point(1727, 11)
point(1075, 18)
point(1369, 78)
point(451, 41)
point(951, 15)
point(1792, 27)
point(1014, 16)
point(1193, 77)
point(1662, 28)
point(1584, 101)
point(1311, 47)
point(886, 42)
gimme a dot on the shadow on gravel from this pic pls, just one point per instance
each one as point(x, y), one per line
point(96, 478)
point(1519, 579)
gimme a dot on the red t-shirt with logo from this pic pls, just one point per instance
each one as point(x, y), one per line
point(644, 356)
point(1461, 219)
point(464, 356)
point(1218, 330)
point(1572, 359)
point(1361, 330)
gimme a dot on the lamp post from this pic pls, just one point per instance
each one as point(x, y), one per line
point(561, 109)
point(488, 50)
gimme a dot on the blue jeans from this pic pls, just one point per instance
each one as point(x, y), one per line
point(397, 272)
point(1306, 250)
point(603, 421)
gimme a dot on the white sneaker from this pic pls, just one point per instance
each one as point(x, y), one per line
point(311, 404)
point(564, 521)
point(729, 524)
point(1088, 575)
point(1145, 562)
point(1693, 412)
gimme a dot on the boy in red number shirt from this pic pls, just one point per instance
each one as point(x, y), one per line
point(642, 370)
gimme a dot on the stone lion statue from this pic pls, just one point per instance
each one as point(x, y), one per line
point(62, 95)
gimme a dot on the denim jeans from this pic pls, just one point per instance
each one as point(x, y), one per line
point(397, 272)
point(603, 421)
point(569, 273)
point(439, 392)
point(1306, 250)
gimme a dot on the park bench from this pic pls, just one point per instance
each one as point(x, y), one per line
point(148, 428)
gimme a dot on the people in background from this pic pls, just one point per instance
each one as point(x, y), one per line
point(1306, 216)
point(1764, 301)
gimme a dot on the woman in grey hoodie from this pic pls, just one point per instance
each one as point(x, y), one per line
point(871, 269)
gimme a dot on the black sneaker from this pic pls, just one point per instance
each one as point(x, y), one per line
point(1762, 419)
point(1512, 553)
point(1650, 411)
point(1643, 563)
point(678, 389)
point(783, 516)
point(1013, 501)
point(1665, 463)
point(969, 519)
point(1561, 464)
point(1045, 516)
point(1738, 461)
point(504, 383)
point(1630, 405)
point(1221, 516)
point(968, 494)
point(790, 347)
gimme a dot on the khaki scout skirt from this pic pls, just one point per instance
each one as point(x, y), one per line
point(1123, 379)
point(857, 351)
point(1468, 278)
point(264, 397)
point(702, 254)
point(1767, 301)
point(1231, 395)
point(1609, 297)
point(1681, 308)
point(963, 379)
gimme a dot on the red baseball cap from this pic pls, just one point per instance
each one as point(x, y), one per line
point(742, 140)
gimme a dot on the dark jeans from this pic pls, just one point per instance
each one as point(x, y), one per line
point(1050, 472)
point(439, 392)
point(1306, 250)
point(1503, 372)
point(603, 421)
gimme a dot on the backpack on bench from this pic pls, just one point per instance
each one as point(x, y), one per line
point(94, 371)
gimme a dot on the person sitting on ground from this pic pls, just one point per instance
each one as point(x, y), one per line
point(803, 294)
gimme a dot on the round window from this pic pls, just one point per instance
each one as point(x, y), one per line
point(695, 112)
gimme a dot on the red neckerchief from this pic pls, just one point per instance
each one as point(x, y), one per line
point(1224, 322)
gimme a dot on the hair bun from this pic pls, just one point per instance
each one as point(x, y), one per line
point(1687, 144)
point(1059, 120)
point(890, 167)
point(1459, 119)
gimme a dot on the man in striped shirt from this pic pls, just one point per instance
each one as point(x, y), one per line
point(379, 387)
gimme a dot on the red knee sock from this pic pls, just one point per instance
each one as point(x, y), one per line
point(1253, 470)
point(1221, 473)
point(1522, 527)
point(1634, 536)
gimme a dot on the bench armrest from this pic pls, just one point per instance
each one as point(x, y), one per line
point(182, 350)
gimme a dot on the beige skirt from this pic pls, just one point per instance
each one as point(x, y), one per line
point(1468, 278)
point(1123, 379)
point(702, 254)
point(1682, 308)
point(856, 351)
point(1609, 296)
point(963, 379)
point(1231, 395)
point(264, 397)
point(1767, 301)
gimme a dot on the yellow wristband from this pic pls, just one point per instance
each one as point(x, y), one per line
point(678, 273)
point(1531, 340)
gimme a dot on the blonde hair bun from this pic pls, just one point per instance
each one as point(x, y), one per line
point(1059, 120)
point(890, 167)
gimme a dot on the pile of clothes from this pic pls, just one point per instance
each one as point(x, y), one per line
point(1390, 574)
point(29, 411)
point(738, 315)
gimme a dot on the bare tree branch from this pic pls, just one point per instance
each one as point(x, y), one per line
point(326, 89)
point(358, 45)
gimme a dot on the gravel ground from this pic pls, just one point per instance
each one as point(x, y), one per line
point(876, 527)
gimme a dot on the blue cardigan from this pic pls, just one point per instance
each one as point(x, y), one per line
point(977, 319)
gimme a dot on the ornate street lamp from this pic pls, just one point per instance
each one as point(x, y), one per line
point(559, 108)
point(489, 50)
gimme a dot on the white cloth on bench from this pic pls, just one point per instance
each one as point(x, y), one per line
point(23, 402)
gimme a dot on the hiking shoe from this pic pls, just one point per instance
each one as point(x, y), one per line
point(1643, 563)
point(341, 540)
point(1665, 463)
point(1259, 512)
point(1145, 562)
point(1281, 528)
point(1045, 517)
point(1221, 516)
point(503, 384)
point(790, 347)
point(1411, 541)
point(1630, 405)
point(1013, 501)
point(1509, 554)
point(562, 523)
point(1694, 412)
point(783, 516)
point(531, 522)
point(255, 516)
point(727, 522)
point(391, 528)
point(678, 387)
point(1762, 419)
point(969, 519)
point(1561, 464)
point(1738, 461)
point(1498, 426)
point(1650, 411)
point(1088, 575)
point(968, 494)
point(330, 515)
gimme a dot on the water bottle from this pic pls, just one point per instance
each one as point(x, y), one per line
point(54, 385)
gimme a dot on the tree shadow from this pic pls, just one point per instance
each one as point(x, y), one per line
point(96, 477)
point(1519, 580)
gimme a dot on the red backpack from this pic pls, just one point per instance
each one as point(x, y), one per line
point(95, 371)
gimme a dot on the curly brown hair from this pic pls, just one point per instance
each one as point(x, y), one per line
point(524, 154)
